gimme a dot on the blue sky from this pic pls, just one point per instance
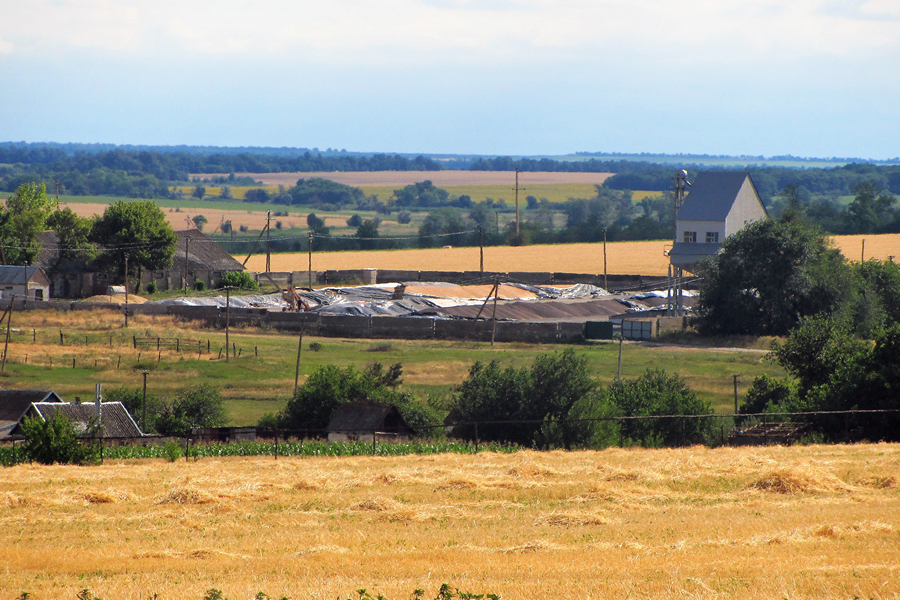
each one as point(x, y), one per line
point(804, 77)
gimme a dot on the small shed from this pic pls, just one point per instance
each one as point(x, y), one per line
point(361, 420)
point(30, 283)
point(113, 418)
point(14, 404)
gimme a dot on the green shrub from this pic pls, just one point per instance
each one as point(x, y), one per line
point(315, 346)
point(55, 441)
point(172, 451)
point(238, 279)
point(199, 285)
point(152, 288)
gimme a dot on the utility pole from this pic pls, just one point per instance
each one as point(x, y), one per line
point(481, 250)
point(299, 349)
point(268, 240)
point(494, 316)
point(735, 376)
point(187, 246)
point(8, 315)
point(619, 368)
point(309, 266)
point(227, 321)
point(144, 404)
point(605, 282)
point(126, 289)
point(57, 194)
point(517, 202)
point(862, 257)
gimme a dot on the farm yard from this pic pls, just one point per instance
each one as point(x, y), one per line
point(777, 522)
point(262, 378)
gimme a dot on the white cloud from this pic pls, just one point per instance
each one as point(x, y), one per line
point(5, 47)
point(467, 31)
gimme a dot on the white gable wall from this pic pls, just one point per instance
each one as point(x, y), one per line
point(701, 228)
point(746, 209)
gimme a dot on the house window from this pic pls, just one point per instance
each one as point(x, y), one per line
point(690, 237)
point(712, 237)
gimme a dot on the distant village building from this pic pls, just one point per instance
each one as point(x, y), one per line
point(720, 204)
point(197, 258)
point(14, 405)
point(361, 420)
point(206, 261)
point(30, 283)
point(104, 420)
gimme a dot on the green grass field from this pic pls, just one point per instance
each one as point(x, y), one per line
point(262, 378)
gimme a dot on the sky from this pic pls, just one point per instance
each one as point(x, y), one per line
point(815, 78)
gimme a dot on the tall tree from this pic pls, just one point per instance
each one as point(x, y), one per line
point(768, 276)
point(73, 235)
point(138, 230)
point(21, 222)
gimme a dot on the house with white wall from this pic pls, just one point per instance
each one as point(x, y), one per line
point(720, 204)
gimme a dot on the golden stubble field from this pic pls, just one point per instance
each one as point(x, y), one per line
point(438, 178)
point(801, 522)
point(644, 258)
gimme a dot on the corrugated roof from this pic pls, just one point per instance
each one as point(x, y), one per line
point(11, 275)
point(203, 253)
point(712, 195)
point(116, 420)
point(364, 417)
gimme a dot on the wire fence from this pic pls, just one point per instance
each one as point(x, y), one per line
point(753, 429)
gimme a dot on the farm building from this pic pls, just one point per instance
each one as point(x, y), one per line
point(360, 420)
point(112, 419)
point(719, 205)
point(197, 258)
point(31, 283)
point(14, 405)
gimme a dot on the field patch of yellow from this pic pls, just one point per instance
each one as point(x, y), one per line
point(633, 258)
point(439, 178)
point(818, 521)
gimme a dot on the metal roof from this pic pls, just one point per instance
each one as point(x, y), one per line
point(116, 421)
point(203, 254)
point(17, 275)
point(712, 195)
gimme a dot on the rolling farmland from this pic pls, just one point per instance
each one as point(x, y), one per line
point(777, 522)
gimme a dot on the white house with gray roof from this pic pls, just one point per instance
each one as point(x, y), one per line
point(719, 204)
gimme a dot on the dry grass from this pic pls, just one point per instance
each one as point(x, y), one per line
point(644, 258)
point(817, 521)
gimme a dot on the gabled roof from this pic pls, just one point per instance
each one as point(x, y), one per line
point(712, 195)
point(11, 275)
point(203, 253)
point(15, 403)
point(366, 417)
point(116, 420)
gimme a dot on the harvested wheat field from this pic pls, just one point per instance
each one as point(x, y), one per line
point(801, 522)
point(627, 258)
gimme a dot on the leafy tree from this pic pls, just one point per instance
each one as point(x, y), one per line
point(317, 190)
point(133, 400)
point(138, 230)
point(328, 387)
point(21, 222)
point(226, 194)
point(201, 406)
point(73, 233)
point(439, 222)
point(367, 232)
point(404, 217)
point(55, 441)
point(199, 192)
point(226, 227)
point(199, 222)
point(871, 208)
point(354, 221)
point(257, 195)
point(423, 193)
point(658, 393)
point(767, 277)
point(238, 279)
point(556, 389)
